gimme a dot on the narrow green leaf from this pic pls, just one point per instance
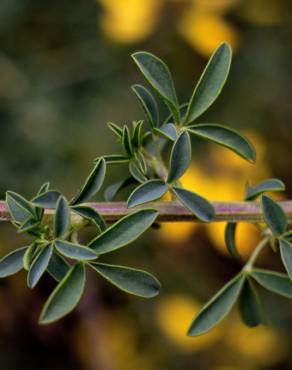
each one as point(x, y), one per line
point(198, 205)
point(168, 131)
point(12, 262)
point(29, 255)
point(211, 82)
point(130, 280)
point(150, 190)
point(90, 214)
point(141, 163)
point(136, 172)
point(182, 112)
point(148, 103)
point(48, 199)
point(112, 190)
point(43, 189)
point(39, 266)
point(230, 241)
point(62, 217)
point(274, 216)
point(123, 232)
point(115, 129)
point(286, 255)
point(288, 235)
point(137, 134)
point(126, 141)
point(58, 267)
point(17, 212)
point(180, 157)
point(74, 250)
point(226, 137)
point(252, 192)
point(28, 225)
point(114, 159)
point(273, 281)
point(66, 295)
point(217, 308)
point(92, 184)
point(250, 306)
point(22, 202)
point(158, 75)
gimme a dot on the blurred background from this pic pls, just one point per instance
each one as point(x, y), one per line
point(65, 71)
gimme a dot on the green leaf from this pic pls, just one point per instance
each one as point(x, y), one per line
point(66, 295)
point(17, 212)
point(250, 306)
point(114, 159)
point(226, 137)
point(211, 82)
point(286, 255)
point(40, 211)
point(39, 265)
point(22, 203)
point(198, 205)
point(125, 231)
point(150, 190)
point(273, 281)
point(180, 157)
point(62, 217)
point(168, 131)
point(113, 189)
point(252, 192)
point(29, 255)
point(148, 103)
point(158, 75)
point(137, 134)
point(182, 112)
point(115, 129)
point(58, 267)
point(12, 262)
point(130, 280)
point(28, 225)
point(48, 199)
point(90, 214)
point(274, 216)
point(230, 241)
point(126, 141)
point(75, 251)
point(217, 308)
point(136, 172)
point(287, 235)
point(92, 184)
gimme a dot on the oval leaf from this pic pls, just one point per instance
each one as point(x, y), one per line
point(250, 306)
point(273, 281)
point(286, 255)
point(150, 190)
point(226, 137)
point(75, 251)
point(58, 267)
point(252, 192)
point(148, 103)
point(90, 214)
point(92, 184)
point(230, 241)
point(180, 157)
point(62, 217)
point(158, 75)
point(130, 280)
point(39, 266)
point(125, 231)
point(211, 82)
point(29, 255)
point(12, 262)
point(65, 296)
point(17, 212)
point(136, 172)
point(48, 199)
point(217, 308)
point(168, 131)
point(198, 205)
point(22, 202)
point(274, 216)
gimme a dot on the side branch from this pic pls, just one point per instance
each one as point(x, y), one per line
point(173, 211)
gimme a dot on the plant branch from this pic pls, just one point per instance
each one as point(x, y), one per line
point(173, 211)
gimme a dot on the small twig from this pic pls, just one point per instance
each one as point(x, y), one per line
point(173, 211)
